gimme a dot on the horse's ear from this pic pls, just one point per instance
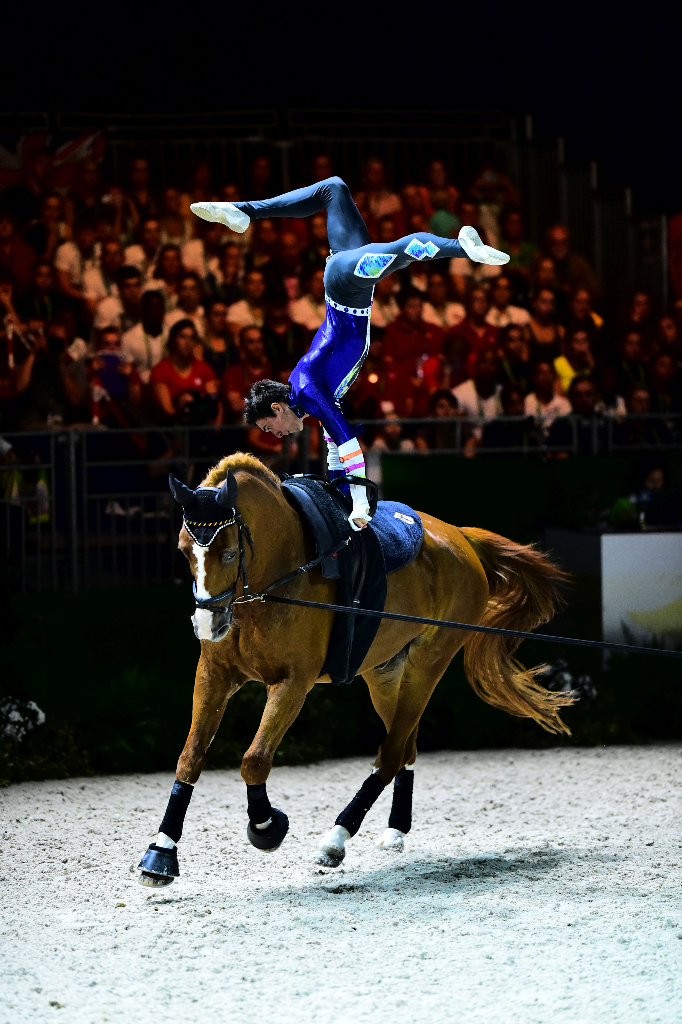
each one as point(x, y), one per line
point(182, 494)
point(227, 495)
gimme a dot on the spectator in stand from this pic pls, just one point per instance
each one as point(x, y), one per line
point(543, 402)
point(115, 385)
point(385, 308)
point(314, 256)
point(202, 254)
point(389, 437)
point(387, 229)
point(630, 365)
point(122, 309)
point(200, 190)
point(641, 430)
point(546, 335)
point(285, 340)
point(376, 197)
point(265, 246)
point(146, 254)
point(220, 350)
point(253, 366)
point(42, 302)
point(515, 433)
point(249, 311)
point(475, 330)
point(409, 340)
point(577, 360)
point(84, 198)
point(24, 199)
point(479, 396)
point(463, 271)
point(52, 382)
point(585, 429)
point(261, 178)
point(225, 282)
point(669, 340)
point(448, 368)
point(438, 309)
point(443, 221)
point(72, 258)
point(501, 312)
point(640, 320)
point(543, 275)
point(438, 436)
point(415, 203)
point(521, 252)
point(664, 378)
point(514, 352)
point(175, 228)
point(493, 190)
point(285, 271)
point(189, 305)
point(46, 234)
point(185, 388)
point(437, 182)
point(572, 271)
point(321, 167)
point(581, 317)
point(143, 344)
point(167, 274)
point(16, 257)
point(99, 279)
point(143, 202)
point(609, 402)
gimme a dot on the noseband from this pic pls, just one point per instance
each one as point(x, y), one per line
point(212, 603)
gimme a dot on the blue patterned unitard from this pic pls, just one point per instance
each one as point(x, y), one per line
point(321, 378)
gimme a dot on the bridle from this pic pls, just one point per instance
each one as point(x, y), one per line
point(211, 603)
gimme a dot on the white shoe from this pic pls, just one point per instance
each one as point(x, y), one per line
point(470, 240)
point(223, 213)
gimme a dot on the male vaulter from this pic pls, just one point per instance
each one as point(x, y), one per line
point(321, 378)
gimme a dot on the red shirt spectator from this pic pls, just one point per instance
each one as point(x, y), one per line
point(474, 331)
point(195, 379)
point(181, 378)
point(409, 337)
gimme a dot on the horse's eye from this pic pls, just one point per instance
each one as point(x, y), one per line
point(228, 556)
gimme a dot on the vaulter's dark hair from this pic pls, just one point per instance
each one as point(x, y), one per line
point(258, 402)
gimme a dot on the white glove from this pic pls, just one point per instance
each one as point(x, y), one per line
point(470, 240)
point(360, 506)
point(222, 213)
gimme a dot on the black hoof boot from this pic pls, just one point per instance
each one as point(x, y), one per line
point(159, 866)
point(271, 837)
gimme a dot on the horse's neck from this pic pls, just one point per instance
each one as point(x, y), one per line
point(276, 531)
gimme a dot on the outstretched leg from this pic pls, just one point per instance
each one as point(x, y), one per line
point(345, 227)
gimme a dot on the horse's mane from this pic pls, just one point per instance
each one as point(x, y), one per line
point(236, 461)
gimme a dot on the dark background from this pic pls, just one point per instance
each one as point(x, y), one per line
point(605, 76)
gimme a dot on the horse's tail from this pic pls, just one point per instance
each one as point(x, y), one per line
point(524, 592)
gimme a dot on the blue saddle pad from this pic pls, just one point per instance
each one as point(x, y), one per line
point(400, 532)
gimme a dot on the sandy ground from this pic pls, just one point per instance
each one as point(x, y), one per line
point(536, 887)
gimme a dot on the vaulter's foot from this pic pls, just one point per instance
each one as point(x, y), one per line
point(222, 213)
point(476, 250)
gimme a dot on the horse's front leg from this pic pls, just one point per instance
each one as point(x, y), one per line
point(267, 824)
point(214, 684)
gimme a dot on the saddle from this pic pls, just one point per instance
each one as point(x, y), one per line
point(392, 540)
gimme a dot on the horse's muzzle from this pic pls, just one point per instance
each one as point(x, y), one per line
point(211, 624)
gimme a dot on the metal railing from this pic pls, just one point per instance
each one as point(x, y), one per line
point(91, 508)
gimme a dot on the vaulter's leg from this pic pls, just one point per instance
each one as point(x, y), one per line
point(267, 824)
point(345, 227)
point(213, 687)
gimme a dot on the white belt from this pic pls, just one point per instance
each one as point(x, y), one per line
point(348, 309)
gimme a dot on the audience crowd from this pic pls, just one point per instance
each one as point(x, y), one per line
point(118, 307)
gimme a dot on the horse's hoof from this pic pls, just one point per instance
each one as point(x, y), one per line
point(159, 866)
point(333, 847)
point(393, 841)
point(268, 839)
point(155, 881)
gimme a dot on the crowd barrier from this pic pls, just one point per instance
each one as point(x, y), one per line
point(90, 508)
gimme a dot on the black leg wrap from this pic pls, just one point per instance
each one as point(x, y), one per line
point(160, 862)
point(260, 808)
point(173, 819)
point(401, 808)
point(351, 817)
point(271, 837)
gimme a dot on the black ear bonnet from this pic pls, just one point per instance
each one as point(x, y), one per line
point(207, 510)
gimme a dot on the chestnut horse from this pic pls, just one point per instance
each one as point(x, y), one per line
point(462, 574)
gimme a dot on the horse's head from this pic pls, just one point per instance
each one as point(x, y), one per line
point(211, 539)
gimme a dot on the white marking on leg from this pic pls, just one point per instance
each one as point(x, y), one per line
point(332, 849)
point(165, 842)
point(392, 840)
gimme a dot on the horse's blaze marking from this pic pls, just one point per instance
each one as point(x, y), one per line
point(203, 617)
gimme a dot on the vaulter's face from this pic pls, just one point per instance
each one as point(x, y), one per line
point(283, 421)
